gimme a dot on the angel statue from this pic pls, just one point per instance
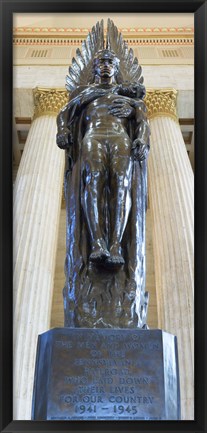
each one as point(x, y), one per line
point(105, 133)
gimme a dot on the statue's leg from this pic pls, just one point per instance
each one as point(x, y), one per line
point(93, 168)
point(120, 196)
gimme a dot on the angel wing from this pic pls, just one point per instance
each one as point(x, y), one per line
point(81, 70)
point(130, 70)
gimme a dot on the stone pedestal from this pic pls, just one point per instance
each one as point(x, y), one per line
point(105, 374)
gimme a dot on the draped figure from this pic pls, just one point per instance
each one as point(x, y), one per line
point(105, 134)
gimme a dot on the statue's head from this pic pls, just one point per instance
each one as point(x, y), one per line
point(106, 64)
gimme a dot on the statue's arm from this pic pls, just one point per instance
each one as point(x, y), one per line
point(65, 118)
point(141, 142)
point(64, 136)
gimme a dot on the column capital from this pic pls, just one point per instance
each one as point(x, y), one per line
point(49, 101)
point(161, 102)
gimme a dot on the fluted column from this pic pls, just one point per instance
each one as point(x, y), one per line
point(171, 200)
point(37, 202)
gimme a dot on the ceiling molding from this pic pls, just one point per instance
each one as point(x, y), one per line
point(56, 36)
point(132, 40)
point(85, 31)
point(75, 36)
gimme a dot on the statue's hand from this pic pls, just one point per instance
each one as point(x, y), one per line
point(140, 149)
point(64, 138)
point(121, 108)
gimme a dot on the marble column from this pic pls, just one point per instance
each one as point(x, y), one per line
point(37, 204)
point(171, 200)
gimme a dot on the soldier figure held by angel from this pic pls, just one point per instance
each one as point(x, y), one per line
point(105, 133)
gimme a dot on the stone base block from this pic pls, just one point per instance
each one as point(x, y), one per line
point(106, 374)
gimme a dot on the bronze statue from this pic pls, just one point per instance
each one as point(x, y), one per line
point(105, 133)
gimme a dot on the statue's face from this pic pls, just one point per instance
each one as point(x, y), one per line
point(105, 68)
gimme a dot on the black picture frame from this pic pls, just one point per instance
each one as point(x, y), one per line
point(199, 8)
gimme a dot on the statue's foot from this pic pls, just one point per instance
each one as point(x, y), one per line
point(116, 258)
point(99, 252)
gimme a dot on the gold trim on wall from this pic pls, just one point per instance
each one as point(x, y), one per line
point(48, 101)
point(161, 102)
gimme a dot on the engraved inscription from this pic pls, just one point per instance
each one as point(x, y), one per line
point(106, 375)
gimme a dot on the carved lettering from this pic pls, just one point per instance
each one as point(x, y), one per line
point(91, 390)
point(76, 380)
point(68, 399)
point(122, 390)
point(117, 353)
point(141, 346)
point(110, 345)
point(135, 380)
point(86, 345)
point(128, 399)
point(95, 353)
point(62, 344)
point(95, 362)
point(103, 380)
